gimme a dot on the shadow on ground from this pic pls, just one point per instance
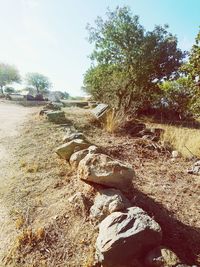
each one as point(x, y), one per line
point(182, 239)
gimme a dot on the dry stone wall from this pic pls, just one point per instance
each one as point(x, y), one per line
point(126, 233)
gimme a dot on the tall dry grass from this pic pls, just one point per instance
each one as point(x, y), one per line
point(185, 140)
point(112, 121)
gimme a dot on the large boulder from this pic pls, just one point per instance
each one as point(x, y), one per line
point(56, 116)
point(161, 257)
point(106, 202)
point(66, 150)
point(79, 155)
point(102, 169)
point(124, 236)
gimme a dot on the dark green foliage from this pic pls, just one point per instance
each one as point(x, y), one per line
point(177, 97)
point(128, 62)
point(192, 70)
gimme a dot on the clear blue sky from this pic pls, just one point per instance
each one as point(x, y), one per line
point(49, 36)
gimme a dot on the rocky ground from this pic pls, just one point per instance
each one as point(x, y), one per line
point(46, 229)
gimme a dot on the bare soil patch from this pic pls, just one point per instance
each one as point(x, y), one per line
point(46, 229)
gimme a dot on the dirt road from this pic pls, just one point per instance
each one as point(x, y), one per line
point(11, 118)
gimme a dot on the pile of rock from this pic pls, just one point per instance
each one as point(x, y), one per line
point(53, 113)
point(126, 233)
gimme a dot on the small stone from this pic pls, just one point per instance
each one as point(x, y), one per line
point(106, 202)
point(72, 136)
point(195, 169)
point(175, 154)
point(161, 257)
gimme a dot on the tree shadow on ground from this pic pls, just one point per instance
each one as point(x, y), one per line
point(184, 240)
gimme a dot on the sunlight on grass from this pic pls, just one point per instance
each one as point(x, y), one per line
point(112, 121)
point(184, 140)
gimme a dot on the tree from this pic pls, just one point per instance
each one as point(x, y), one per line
point(8, 74)
point(177, 97)
point(128, 63)
point(40, 82)
point(192, 70)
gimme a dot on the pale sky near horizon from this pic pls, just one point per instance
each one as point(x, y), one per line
point(49, 36)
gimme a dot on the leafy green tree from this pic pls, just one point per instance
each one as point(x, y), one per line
point(128, 62)
point(192, 70)
point(177, 96)
point(40, 82)
point(8, 74)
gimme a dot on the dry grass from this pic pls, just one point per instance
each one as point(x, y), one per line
point(47, 230)
point(185, 140)
point(113, 120)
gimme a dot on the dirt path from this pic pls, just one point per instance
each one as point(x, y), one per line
point(11, 118)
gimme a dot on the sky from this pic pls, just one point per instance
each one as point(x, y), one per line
point(50, 36)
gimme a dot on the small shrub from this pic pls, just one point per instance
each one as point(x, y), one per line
point(23, 163)
point(113, 121)
point(19, 222)
point(32, 168)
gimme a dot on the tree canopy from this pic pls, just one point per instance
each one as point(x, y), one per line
point(129, 62)
point(40, 82)
point(192, 71)
point(8, 74)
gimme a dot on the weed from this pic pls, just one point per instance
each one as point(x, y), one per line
point(29, 237)
point(23, 163)
point(32, 168)
point(112, 121)
point(19, 222)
